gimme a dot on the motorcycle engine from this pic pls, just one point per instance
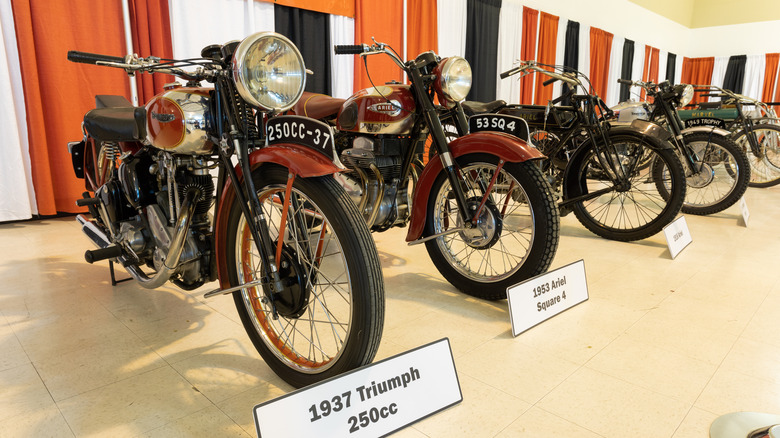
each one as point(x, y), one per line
point(373, 181)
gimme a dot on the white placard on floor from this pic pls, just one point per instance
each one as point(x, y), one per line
point(544, 296)
point(744, 208)
point(677, 236)
point(372, 401)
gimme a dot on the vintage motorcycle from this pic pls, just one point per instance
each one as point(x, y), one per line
point(276, 229)
point(716, 169)
point(600, 172)
point(480, 205)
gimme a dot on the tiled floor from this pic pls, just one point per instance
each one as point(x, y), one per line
point(661, 348)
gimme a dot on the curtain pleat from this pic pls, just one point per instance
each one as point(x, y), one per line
point(650, 72)
point(584, 52)
point(310, 31)
point(421, 28)
point(545, 54)
point(510, 35)
point(718, 74)
point(385, 22)
point(671, 65)
point(770, 76)
point(150, 21)
point(754, 76)
point(530, 26)
point(571, 54)
point(560, 51)
point(612, 96)
point(18, 200)
point(451, 27)
point(625, 71)
point(735, 73)
point(600, 48)
point(45, 31)
point(342, 32)
point(482, 47)
point(697, 71)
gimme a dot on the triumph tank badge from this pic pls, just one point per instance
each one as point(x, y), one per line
point(392, 108)
point(163, 118)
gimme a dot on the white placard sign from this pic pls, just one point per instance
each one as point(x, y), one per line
point(677, 236)
point(744, 208)
point(544, 296)
point(372, 401)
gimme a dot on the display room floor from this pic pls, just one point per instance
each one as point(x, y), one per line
point(661, 348)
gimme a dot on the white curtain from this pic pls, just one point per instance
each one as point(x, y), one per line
point(663, 58)
point(18, 200)
point(718, 74)
point(678, 69)
point(637, 68)
point(615, 66)
point(510, 44)
point(754, 76)
point(451, 25)
point(342, 32)
point(583, 63)
point(196, 24)
point(560, 50)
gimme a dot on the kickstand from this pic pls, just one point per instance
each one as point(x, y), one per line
point(114, 281)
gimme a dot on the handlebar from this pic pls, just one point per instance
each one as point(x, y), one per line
point(351, 49)
point(92, 58)
point(625, 81)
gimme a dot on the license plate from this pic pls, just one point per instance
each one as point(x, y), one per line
point(302, 131)
point(499, 123)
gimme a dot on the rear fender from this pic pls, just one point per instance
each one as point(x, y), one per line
point(504, 146)
point(706, 129)
point(299, 160)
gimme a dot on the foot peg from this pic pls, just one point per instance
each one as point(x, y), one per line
point(87, 202)
point(96, 255)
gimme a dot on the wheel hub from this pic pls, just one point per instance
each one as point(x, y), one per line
point(291, 302)
point(702, 178)
point(487, 230)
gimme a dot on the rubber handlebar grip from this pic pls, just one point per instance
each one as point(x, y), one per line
point(509, 72)
point(549, 81)
point(350, 49)
point(92, 58)
point(625, 81)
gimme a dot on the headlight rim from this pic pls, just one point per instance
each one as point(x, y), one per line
point(443, 76)
point(686, 95)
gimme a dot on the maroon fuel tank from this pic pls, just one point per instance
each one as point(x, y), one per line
point(178, 120)
point(387, 109)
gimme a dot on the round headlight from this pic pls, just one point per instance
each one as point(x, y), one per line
point(455, 78)
point(269, 71)
point(686, 96)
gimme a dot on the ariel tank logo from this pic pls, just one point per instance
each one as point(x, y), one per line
point(392, 108)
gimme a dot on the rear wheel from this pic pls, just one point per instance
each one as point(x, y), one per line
point(328, 319)
point(765, 161)
point(636, 210)
point(516, 234)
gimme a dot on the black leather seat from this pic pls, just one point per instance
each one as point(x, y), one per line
point(471, 108)
point(115, 119)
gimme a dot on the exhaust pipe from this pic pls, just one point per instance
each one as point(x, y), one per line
point(174, 251)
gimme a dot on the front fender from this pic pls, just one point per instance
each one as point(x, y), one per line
point(300, 161)
point(706, 129)
point(504, 146)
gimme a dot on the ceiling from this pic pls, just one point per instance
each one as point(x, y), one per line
point(708, 13)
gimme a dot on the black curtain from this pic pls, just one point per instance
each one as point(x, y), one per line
point(571, 52)
point(626, 69)
point(735, 73)
point(671, 65)
point(482, 47)
point(310, 31)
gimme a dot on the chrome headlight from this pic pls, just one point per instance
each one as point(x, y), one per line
point(686, 96)
point(269, 71)
point(454, 78)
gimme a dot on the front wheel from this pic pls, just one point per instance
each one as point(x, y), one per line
point(329, 317)
point(765, 157)
point(515, 235)
point(720, 176)
point(632, 208)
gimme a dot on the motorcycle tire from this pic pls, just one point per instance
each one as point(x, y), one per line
point(331, 312)
point(722, 178)
point(516, 237)
point(764, 167)
point(637, 212)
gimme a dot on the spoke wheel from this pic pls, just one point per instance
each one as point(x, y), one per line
point(514, 237)
point(328, 317)
point(634, 210)
point(765, 162)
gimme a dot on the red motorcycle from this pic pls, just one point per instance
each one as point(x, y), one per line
point(481, 205)
point(276, 229)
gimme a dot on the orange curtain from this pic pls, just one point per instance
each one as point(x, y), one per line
point(650, 71)
point(151, 25)
point(772, 61)
point(385, 22)
point(337, 7)
point(57, 93)
point(421, 30)
point(600, 47)
point(697, 71)
point(545, 54)
point(528, 52)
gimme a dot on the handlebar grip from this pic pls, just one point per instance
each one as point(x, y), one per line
point(92, 58)
point(625, 81)
point(549, 81)
point(713, 95)
point(509, 72)
point(350, 49)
